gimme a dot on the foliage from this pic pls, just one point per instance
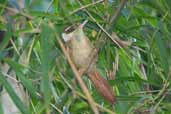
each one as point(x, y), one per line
point(142, 81)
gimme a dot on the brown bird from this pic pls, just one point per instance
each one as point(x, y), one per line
point(81, 51)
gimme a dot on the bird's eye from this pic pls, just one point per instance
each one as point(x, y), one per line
point(69, 29)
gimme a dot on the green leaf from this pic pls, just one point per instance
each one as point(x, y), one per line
point(46, 43)
point(2, 9)
point(6, 38)
point(162, 52)
point(13, 95)
point(25, 81)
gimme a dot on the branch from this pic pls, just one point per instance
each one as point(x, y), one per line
point(86, 6)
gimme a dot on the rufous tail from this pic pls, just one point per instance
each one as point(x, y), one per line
point(102, 86)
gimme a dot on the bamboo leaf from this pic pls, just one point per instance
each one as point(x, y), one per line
point(46, 43)
point(13, 95)
point(162, 52)
point(25, 81)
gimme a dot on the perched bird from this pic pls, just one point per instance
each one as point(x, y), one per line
point(82, 54)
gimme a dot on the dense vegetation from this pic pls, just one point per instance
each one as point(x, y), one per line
point(134, 42)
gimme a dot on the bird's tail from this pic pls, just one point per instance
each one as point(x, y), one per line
point(102, 86)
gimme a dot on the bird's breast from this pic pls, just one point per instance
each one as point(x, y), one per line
point(80, 52)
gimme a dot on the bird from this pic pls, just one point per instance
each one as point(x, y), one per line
point(81, 51)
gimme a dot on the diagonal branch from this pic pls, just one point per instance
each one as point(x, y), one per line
point(86, 6)
point(111, 23)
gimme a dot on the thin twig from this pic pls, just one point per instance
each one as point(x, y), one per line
point(49, 5)
point(98, 24)
point(86, 6)
point(11, 77)
point(14, 45)
point(56, 108)
point(150, 91)
point(78, 77)
point(163, 90)
point(99, 106)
